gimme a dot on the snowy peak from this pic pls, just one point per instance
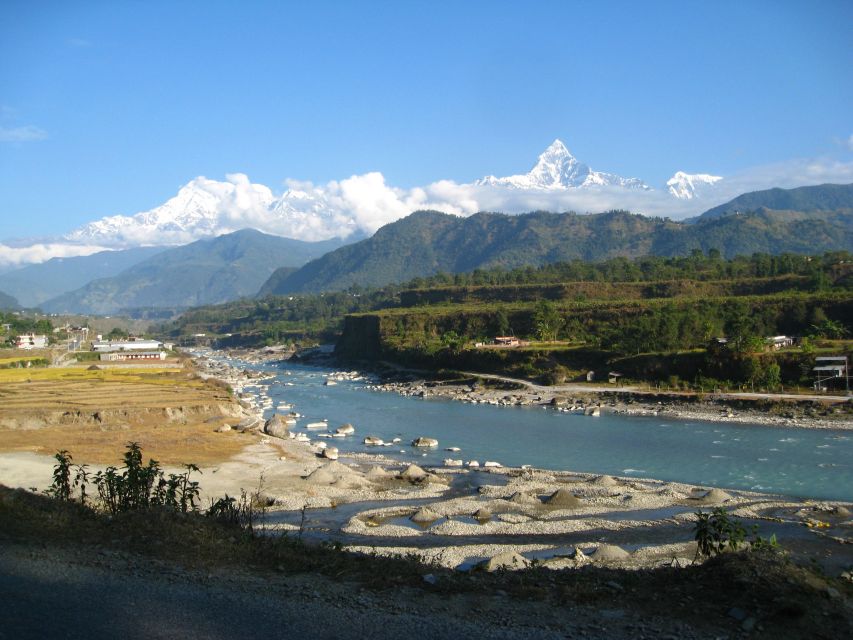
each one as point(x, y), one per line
point(558, 169)
point(686, 186)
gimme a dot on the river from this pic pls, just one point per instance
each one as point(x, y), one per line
point(813, 463)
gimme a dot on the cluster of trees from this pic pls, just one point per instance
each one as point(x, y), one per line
point(19, 324)
point(697, 266)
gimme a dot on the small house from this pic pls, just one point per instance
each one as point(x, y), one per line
point(31, 341)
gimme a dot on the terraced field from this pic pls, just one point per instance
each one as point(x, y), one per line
point(93, 413)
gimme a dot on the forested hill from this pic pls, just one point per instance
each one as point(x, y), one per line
point(824, 197)
point(428, 242)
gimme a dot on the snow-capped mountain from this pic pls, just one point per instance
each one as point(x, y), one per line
point(686, 186)
point(361, 204)
point(205, 208)
point(201, 208)
point(557, 168)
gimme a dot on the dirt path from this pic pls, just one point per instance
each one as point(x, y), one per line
point(94, 594)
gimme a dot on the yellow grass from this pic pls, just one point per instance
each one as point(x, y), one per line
point(170, 444)
point(112, 374)
point(93, 414)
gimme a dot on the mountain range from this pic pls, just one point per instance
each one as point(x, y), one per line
point(428, 242)
point(35, 283)
point(248, 262)
point(203, 272)
point(357, 206)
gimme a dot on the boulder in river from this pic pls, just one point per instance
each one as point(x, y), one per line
point(345, 429)
point(424, 442)
point(450, 462)
point(330, 453)
point(374, 441)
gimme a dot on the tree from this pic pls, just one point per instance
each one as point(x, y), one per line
point(547, 320)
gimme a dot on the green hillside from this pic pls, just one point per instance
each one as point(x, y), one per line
point(428, 242)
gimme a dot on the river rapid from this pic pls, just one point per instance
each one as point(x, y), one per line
point(807, 463)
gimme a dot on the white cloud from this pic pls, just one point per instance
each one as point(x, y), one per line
point(25, 133)
point(850, 142)
point(15, 256)
point(363, 203)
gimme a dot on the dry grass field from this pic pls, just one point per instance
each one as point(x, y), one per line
point(94, 413)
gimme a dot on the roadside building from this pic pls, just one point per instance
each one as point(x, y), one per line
point(124, 356)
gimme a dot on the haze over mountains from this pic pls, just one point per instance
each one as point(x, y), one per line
point(203, 272)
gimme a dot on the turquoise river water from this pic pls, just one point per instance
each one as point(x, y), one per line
point(816, 463)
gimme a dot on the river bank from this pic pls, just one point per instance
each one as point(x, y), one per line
point(457, 514)
point(463, 516)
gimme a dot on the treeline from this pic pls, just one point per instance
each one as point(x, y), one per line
point(829, 267)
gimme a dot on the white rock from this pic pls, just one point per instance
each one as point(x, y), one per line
point(473, 463)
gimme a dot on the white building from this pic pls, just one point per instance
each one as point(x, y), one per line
point(126, 345)
point(31, 341)
point(120, 356)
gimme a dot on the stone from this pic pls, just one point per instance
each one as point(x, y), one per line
point(276, 427)
point(225, 428)
point(424, 442)
point(345, 429)
point(330, 453)
point(450, 462)
point(374, 441)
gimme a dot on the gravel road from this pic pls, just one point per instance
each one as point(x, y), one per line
point(94, 595)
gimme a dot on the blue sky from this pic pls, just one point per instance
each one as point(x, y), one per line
point(108, 107)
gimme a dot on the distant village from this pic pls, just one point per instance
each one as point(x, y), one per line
point(109, 350)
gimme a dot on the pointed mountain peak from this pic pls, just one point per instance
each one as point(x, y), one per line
point(557, 168)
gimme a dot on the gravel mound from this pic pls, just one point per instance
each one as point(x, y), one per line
point(508, 561)
point(414, 472)
point(564, 499)
point(609, 553)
